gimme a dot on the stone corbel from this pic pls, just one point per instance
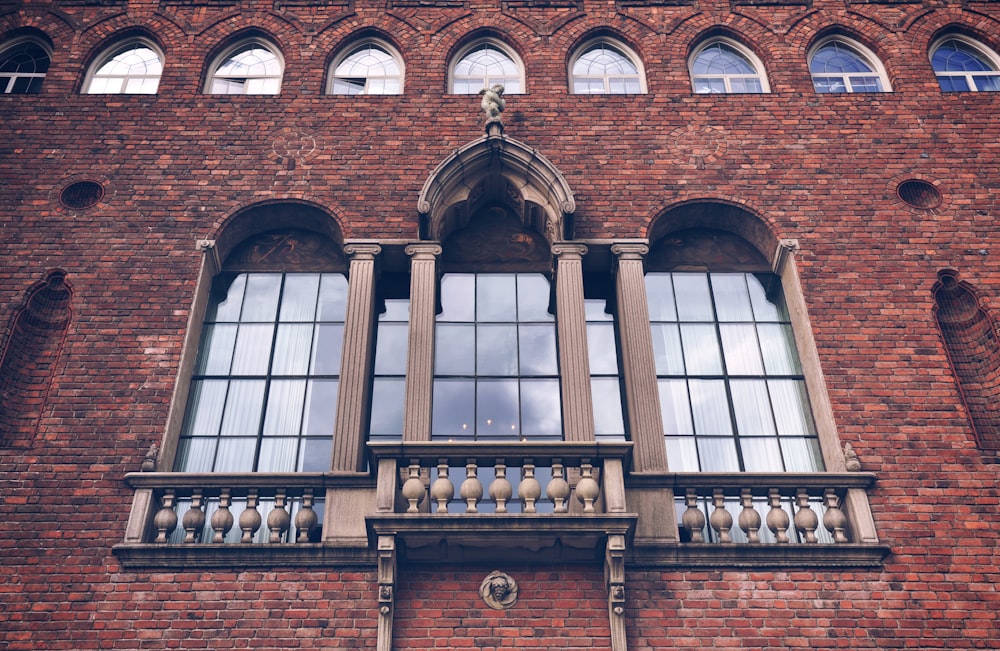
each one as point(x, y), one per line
point(614, 573)
point(386, 590)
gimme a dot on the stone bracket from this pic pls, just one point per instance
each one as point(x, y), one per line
point(386, 590)
point(614, 574)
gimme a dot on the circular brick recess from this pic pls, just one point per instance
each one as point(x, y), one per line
point(82, 194)
point(918, 194)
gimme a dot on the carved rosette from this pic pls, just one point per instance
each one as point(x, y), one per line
point(498, 590)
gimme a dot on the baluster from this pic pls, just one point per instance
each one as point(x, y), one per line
point(834, 519)
point(250, 518)
point(500, 488)
point(721, 520)
point(777, 519)
point(165, 519)
point(222, 519)
point(587, 489)
point(805, 518)
point(194, 520)
point(529, 490)
point(306, 519)
point(413, 489)
point(278, 519)
point(693, 519)
point(749, 518)
point(558, 488)
point(442, 490)
point(471, 489)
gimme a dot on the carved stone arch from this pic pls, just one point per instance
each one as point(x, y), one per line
point(496, 170)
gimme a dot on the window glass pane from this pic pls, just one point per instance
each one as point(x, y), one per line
point(396, 309)
point(253, 349)
point(315, 454)
point(332, 297)
point(667, 349)
point(388, 397)
point(608, 417)
point(732, 302)
point(802, 455)
point(746, 85)
point(298, 300)
point(682, 454)
point(660, 296)
point(496, 297)
point(283, 416)
point(953, 84)
point(761, 455)
point(454, 408)
point(236, 455)
point(674, 407)
point(204, 412)
point(278, 455)
point(321, 408)
point(458, 297)
point(229, 306)
point(602, 348)
point(261, 302)
point(292, 347)
point(327, 349)
point(455, 351)
point(766, 308)
point(739, 342)
point(710, 407)
point(196, 455)
point(496, 350)
point(752, 408)
point(243, 407)
point(540, 411)
point(829, 85)
point(866, 85)
point(791, 407)
point(533, 298)
point(694, 303)
point(778, 346)
point(215, 356)
point(391, 346)
point(497, 408)
point(537, 347)
point(718, 454)
point(701, 349)
point(987, 82)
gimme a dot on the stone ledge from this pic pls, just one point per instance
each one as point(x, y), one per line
point(741, 555)
point(239, 557)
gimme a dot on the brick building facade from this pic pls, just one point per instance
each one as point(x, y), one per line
point(685, 339)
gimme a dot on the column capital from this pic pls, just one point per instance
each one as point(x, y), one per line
point(569, 250)
point(362, 249)
point(423, 250)
point(630, 250)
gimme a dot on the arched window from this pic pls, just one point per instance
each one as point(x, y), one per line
point(962, 64)
point(732, 390)
point(841, 66)
point(605, 67)
point(126, 68)
point(23, 65)
point(251, 67)
point(486, 63)
point(372, 68)
point(721, 65)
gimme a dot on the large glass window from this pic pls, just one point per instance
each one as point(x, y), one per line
point(841, 66)
point(484, 64)
point(23, 65)
point(253, 67)
point(264, 392)
point(372, 68)
point(606, 68)
point(133, 67)
point(962, 64)
point(723, 66)
point(496, 371)
point(605, 375)
point(732, 391)
point(389, 372)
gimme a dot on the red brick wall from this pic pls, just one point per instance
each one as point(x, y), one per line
point(821, 169)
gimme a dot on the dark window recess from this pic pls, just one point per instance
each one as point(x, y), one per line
point(82, 194)
point(918, 194)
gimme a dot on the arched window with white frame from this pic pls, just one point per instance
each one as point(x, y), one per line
point(483, 64)
point(23, 64)
point(962, 64)
point(251, 67)
point(721, 65)
point(371, 67)
point(606, 67)
point(839, 65)
point(131, 67)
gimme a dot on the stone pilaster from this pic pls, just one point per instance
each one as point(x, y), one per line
point(574, 361)
point(420, 355)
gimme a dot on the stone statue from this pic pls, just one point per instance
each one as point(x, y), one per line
point(498, 590)
point(493, 104)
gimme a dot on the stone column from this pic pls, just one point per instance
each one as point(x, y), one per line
point(642, 396)
point(355, 367)
point(420, 355)
point(571, 326)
